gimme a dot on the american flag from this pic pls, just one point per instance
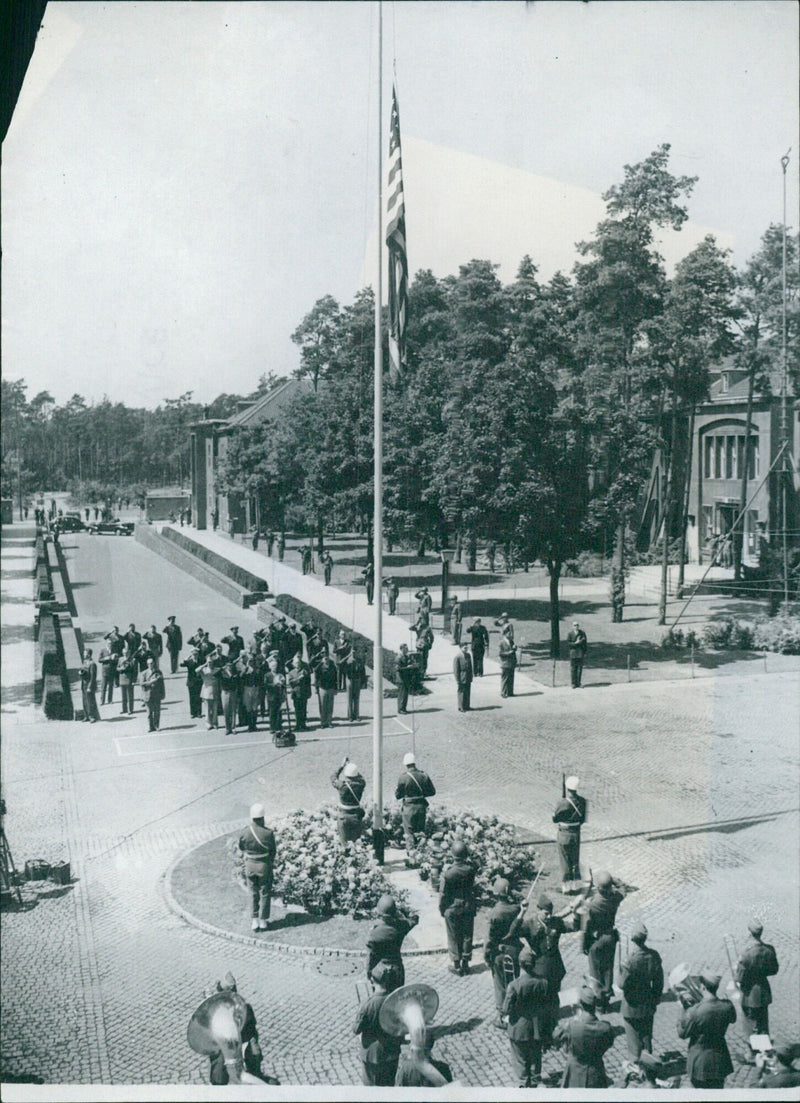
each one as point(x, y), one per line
point(396, 244)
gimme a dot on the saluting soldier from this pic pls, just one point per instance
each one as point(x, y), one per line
point(508, 661)
point(413, 788)
point(385, 939)
point(462, 672)
point(543, 931)
point(600, 935)
point(298, 682)
point(704, 1026)
point(758, 962)
point(257, 843)
point(174, 642)
point(424, 634)
point(503, 622)
point(234, 642)
point(425, 602)
point(350, 785)
point(456, 619)
point(210, 693)
point(457, 903)
point(326, 679)
point(155, 643)
point(406, 667)
point(586, 1038)
point(194, 683)
point(642, 983)
point(251, 676)
point(503, 941)
point(133, 638)
point(569, 815)
point(229, 692)
point(480, 645)
point(525, 1001)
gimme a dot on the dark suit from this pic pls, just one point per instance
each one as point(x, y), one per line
point(406, 667)
point(326, 680)
point(587, 1039)
point(89, 690)
point(298, 681)
point(642, 982)
point(462, 671)
point(457, 905)
point(577, 643)
point(194, 684)
point(480, 645)
point(508, 664)
point(525, 1000)
point(704, 1027)
point(413, 788)
point(758, 961)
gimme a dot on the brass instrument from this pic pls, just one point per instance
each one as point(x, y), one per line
point(732, 954)
point(216, 1027)
point(684, 981)
point(409, 1009)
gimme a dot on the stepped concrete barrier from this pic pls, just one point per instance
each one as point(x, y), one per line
point(184, 555)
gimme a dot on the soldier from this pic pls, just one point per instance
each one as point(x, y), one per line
point(418, 1068)
point(578, 645)
point(778, 1072)
point(257, 844)
point(128, 674)
point(116, 642)
point(281, 546)
point(298, 682)
point(91, 713)
point(155, 644)
point(229, 692)
point(462, 672)
point(356, 671)
point(425, 602)
point(234, 642)
point(327, 566)
point(392, 594)
point(525, 1000)
point(704, 1025)
point(569, 815)
point(491, 552)
point(108, 668)
point(503, 622)
point(600, 935)
point(758, 961)
point(369, 581)
point(326, 680)
point(424, 634)
point(275, 684)
point(543, 932)
point(174, 643)
point(642, 983)
point(350, 785)
point(194, 683)
point(456, 621)
point(480, 645)
point(508, 661)
point(385, 939)
point(380, 1052)
point(413, 788)
point(341, 653)
point(405, 678)
point(587, 1038)
point(502, 946)
point(153, 693)
point(133, 638)
point(251, 675)
point(210, 693)
point(457, 903)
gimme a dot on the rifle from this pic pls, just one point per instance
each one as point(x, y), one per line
point(563, 786)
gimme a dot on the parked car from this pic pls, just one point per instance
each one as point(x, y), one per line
point(71, 522)
point(112, 528)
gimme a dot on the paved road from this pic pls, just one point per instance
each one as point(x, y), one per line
point(106, 962)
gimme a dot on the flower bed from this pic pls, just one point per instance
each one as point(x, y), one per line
point(314, 870)
point(493, 847)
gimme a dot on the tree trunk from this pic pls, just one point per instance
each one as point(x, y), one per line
point(421, 546)
point(554, 569)
point(459, 546)
point(738, 533)
point(320, 535)
point(472, 552)
point(618, 574)
point(687, 487)
point(667, 511)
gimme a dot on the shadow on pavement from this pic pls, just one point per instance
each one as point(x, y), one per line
point(462, 1026)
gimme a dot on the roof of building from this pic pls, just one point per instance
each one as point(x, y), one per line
point(266, 407)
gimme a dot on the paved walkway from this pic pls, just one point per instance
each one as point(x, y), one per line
point(692, 792)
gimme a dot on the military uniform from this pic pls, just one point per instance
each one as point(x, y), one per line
point(349, 814)
point(174, 643)
point(392, 594)
point(385, 941)
point(229, 694)
point(600, 939)
point(642, 983)
point(542, 932)
point(458, 906)
point(257, 843)
point(578, 645)
point(508, 664)
point(128, 674)
point(210, 693)
point(758, 961)
point(525, 999)
point(326, 679)
point(502, 941)
point(380, 1052)
point(704, 1026)
point(413, 788)
point(299, 684)
point(155, 643)
point(587, 1038)
point(569, 815)
point(194, 684)
point(405, 680)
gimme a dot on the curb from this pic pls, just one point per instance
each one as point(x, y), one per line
point(165, 880)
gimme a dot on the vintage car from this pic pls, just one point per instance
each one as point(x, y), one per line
point(71, 522)
point(111, 528)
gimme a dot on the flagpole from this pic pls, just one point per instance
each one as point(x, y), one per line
point(377, 526)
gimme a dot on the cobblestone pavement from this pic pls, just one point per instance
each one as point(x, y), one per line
point(693, 801)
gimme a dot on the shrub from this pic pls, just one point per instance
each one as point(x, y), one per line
point(717, 634)
point(781, 634)
point(587, 564)
point(673, 639)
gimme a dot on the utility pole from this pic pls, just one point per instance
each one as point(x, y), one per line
point(785, 470)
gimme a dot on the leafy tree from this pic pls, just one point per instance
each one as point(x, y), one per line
point(316, 337)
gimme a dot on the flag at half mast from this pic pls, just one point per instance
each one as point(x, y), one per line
point(396, 247)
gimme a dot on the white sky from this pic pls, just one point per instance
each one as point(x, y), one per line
point(182, 181)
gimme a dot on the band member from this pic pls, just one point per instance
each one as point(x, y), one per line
point(350, 785)
point(642, 983)
point(758, 962)
point(174, 643)
point(525, 1000)
point(508, 661)
point(229, 692)
point(462, 672)
point(578, 646)
point(418, 1068)
point(299, 684)
point(194, 682)
point(155, 643)
point(91, 713)
point(356, 674)
point(380, 1052)
point(457, 903)
point(704, 1025)
point(153, 693)
point(257, 844)
point(385, 939)
point(586, 1039)
point(456, 619)
point(502, 947)
point(569, 815)
point(326, 679)
point(275, 684)
point(406, 668)
point(480, 645)
point(600, 935)
point(108, 674)
point(413, 788)
point(251, 677)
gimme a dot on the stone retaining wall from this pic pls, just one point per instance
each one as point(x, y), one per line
point(182, 557)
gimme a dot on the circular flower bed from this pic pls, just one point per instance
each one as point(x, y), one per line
point(313, 869)
point(493, 847)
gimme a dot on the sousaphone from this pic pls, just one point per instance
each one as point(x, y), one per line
point(409, 1008)
point(216, 1027)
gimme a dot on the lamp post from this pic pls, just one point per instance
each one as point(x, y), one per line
point(447, 554)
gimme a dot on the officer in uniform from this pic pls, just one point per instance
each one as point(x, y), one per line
point(385, 938)
point(758, 961)
point(600, 935)
point(257, 843)
point(380, 1052)
point(350, 785)
point(155, 642)
point(457, 903)
point(234, 642)
point(462, 672)
point(570, 813)
point(153, 693)
point(194, 683)
point(503, 945)
point(704, 1025)
point(525, 1000)
point(480, 645)
point(508, 661)
point(413, 788)
point(327, 680)
point(174, 643)
point(642, 983)
point(89, 687)
point(456, 619)
point(229, 692)
point(578, 645)
point(392, 594)
point(543, 931)
point(356, 674)
point(586, 1038)
point(341, 653)
point(108, 667)
point(406, 667)
point(299, 684)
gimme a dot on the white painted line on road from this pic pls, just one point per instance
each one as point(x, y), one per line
point(188, 747)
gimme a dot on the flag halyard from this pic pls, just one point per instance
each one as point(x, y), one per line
point(396, 248)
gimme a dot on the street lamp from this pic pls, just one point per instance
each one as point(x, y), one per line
point(447, 554)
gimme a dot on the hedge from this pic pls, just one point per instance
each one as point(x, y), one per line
point(238, 574)
point(56, 698)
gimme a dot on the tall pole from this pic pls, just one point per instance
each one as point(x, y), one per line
point(784, 399)
point(377, 526)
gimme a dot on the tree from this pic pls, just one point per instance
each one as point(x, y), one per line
point(316, 338)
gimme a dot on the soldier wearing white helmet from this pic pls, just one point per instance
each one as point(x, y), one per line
point(413, 788)
point(257, 844)
point(350, 786)
point(570, 813)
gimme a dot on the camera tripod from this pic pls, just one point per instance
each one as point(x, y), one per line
point(8, 871)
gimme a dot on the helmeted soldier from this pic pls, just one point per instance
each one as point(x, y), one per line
point(385, 938)
point(257, 844)
point(413, 789)
point(600, 935)
point(502, 947)
point(586, 1038)
point(457, 903)
point(569, 815)
point(642, 983)
point(350, 785)
point(758, 962)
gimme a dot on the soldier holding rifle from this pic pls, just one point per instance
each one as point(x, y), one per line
point(600, 935)
point(569, 816)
